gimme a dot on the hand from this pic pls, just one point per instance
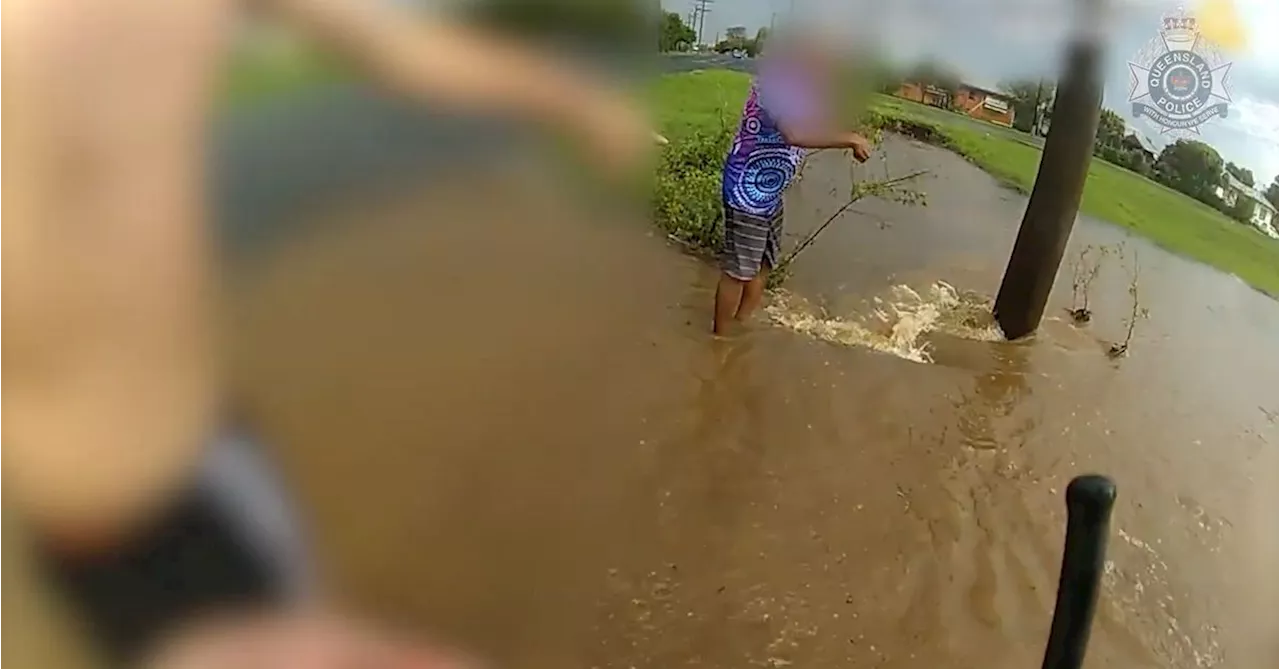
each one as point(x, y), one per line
point(617, 132)
point(297, 641)
point(861, 147)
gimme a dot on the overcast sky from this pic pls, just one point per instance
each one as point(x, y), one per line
point(992, 40)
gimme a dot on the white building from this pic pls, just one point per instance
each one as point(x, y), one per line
point(1264, 215)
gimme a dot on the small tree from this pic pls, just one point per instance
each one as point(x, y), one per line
point(1031, 99)
point(1193, 168)
point(1244, 176)
point(1110, 131)
point(1242, 210)
point(674, 33)
point(762, 36)
point(1273, 192)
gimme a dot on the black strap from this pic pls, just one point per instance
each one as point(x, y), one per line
point(188, 564)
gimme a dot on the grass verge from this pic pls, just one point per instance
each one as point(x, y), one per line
point(254, 77)
point(697, 111)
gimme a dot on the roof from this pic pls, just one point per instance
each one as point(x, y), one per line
point(1248, 191)
point(984, 89)
point(1145, 141)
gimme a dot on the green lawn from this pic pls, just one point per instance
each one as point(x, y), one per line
point(251, 78)
point(686, 102)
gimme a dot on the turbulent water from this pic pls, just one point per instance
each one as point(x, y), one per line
point(898, 323)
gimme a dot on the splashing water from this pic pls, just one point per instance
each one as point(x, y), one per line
point(897, 324)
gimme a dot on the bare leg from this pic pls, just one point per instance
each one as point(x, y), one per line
point(752, 294)
point(729, 295)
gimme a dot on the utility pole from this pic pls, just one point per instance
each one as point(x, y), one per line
point(700, 8)
point(1035, 109)
point(1055, 198)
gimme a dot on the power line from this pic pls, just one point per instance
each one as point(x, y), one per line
point(700, 9)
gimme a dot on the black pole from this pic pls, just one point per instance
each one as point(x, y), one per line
point(1035, 109)
point(1055, 198)
point(1089, 502)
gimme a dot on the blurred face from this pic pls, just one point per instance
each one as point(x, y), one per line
point(813, 52)
point(819, 53)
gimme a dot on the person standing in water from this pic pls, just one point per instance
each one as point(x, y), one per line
point(786, 113)
point(162, 523)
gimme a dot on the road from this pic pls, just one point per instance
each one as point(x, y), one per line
point(705, 61)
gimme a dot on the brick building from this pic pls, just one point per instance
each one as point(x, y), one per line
point(984, 104)
point(980, 103)
point(925, 94)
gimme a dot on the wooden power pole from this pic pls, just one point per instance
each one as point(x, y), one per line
point(701, 8)
point(1035, 109)
point(1055, 197)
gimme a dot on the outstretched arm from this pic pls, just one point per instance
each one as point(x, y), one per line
point(819, 137)
point(798, 104)
point(467, 69)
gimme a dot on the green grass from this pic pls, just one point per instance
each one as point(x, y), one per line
point(687, 103)
point(695, 101)
point(252, 78)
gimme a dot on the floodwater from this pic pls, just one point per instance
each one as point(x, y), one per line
point(509, 425)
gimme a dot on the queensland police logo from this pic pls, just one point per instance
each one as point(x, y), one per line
point(1179, 81)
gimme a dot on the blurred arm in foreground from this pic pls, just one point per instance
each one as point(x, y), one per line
point(465, 68)
point(151, 513)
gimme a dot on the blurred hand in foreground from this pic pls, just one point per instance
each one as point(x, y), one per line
point(299, 641)
point(617, 133)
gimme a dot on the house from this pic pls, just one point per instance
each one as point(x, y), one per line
point(925, 94)
point(1136, 142)
point(1264, 216)
point(980, 103)
point(985, 104)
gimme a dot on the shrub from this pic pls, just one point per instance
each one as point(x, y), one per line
point(687, 193)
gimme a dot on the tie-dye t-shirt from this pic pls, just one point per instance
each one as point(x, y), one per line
point(761, 164)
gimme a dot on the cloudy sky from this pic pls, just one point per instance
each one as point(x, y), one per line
point(993, 40)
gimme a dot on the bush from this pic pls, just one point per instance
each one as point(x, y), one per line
point(687, 193)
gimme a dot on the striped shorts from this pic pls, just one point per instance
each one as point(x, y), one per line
point(749, 242)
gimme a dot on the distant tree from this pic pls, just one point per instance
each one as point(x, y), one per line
point(762, 36)
point(614, 24)
point(674, 34)
point(1193, 168)
point(1110, 131)
point(929, 73)
point(1241, 174)
point(1242, 210)
point(1273, 192)
point(883, 76)
point(1025, 95)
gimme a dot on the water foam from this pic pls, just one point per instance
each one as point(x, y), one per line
point(895, 324)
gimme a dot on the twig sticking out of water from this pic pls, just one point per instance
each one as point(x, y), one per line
point(887, 189)
point(1084, 270)
point(1136, 311)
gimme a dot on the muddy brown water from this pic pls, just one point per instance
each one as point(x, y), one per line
point(509, 426)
